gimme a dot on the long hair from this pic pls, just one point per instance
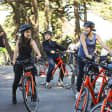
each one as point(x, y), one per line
point(23, 40)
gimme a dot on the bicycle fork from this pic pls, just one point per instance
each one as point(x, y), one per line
point(30, 80)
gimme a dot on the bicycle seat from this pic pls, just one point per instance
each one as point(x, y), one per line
point(28, 67)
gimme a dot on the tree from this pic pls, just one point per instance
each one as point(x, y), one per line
point(77, 20)
point(85, 11)
point(46, 14)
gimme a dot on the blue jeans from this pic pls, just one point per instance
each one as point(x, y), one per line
point(81, 73)
point(71, 58)
point(51, 67)
point(110, 65)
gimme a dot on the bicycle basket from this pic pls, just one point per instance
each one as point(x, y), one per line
point(28, 67)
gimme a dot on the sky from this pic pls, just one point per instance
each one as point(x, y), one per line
point(3, 15)
point(103, 27)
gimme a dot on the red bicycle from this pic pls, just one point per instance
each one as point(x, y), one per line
point(67, 70)
point(81, 103)
point(28, 86)
point(106, 106)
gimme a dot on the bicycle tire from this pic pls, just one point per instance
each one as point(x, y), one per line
point(67, 80)
point(73, 79)
point(39, 66)
point(79, 102)
point(31, 106)
point(42, 69)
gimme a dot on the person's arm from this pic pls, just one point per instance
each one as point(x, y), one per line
point(1, 33)
point(103, 44)
point(16, 52)
point(34, 46)
point(60, 47)
point(83, 38)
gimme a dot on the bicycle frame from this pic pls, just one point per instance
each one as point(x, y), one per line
point(89, 85)
point(44, 68)
point(60, 63)
point(108, 98)
point(28, 74)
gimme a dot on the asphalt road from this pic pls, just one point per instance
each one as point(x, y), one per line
point(51, 100)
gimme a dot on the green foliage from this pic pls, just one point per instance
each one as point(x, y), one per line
point(103, 9)
point(109, 43)
point(9, 27)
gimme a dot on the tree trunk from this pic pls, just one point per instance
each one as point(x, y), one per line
point(85, 11)
point(19, 14)
point(10, 52)
point(77, 21)
point(35, 23)
point(46, 14)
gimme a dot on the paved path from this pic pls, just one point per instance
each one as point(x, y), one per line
point(53, 100)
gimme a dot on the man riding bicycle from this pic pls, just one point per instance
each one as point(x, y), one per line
point(50, 48)
point(23, 50)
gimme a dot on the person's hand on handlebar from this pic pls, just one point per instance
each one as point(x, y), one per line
point(52, 52)
point(110, 52)
point(13, 62)
point(38, 57)
point(89, 56)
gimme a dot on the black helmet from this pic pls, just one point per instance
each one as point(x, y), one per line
point(89, 24)
point(24, 27)
point(48, 32)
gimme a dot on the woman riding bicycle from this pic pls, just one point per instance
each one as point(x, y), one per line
point(23, 50)
point(87, 47)
point(50, 48)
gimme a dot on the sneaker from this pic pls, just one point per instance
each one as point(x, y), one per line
point(60, 84)
point(77, 94)
point(48, 86)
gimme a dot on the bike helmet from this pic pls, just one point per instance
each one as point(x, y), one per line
point(48, 32)
point(90, 24)
point(69, 40)
point(24, 27)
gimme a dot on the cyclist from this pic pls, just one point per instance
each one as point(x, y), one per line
point(71, 47)
point(50, 48)
point(2, 39)
point(23, 50)
point(87, 47)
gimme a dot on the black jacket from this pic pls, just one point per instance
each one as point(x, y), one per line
point(51, 45)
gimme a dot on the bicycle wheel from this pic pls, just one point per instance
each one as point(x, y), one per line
point(73, 79)
point(81, 103)
point(31, 101)
point(67, 80)
point(97, 108)
point(42, 69)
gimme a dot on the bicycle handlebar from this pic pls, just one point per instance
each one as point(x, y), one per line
point(103, 61)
